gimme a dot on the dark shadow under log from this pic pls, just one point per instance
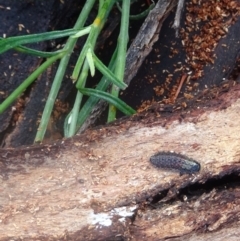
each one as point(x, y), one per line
point(100, 185)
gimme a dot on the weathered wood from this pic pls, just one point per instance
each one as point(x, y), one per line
point(85, 188)
point(147, 36)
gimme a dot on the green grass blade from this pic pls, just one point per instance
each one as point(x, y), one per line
point(108, 73)
point(11, 42)
point(71, 120)
point(89, 57)
point(15, 94)
point(42, 54)
point(121, 56)
point(82, 32)
point(30, 51)
point(119, 104)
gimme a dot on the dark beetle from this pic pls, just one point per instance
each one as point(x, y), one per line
point(175, 161)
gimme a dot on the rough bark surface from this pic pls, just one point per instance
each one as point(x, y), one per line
point(101, 186)
point(147, 36)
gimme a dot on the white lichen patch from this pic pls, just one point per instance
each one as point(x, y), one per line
point(105, 219)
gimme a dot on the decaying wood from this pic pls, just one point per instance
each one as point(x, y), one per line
point(100, 185)
point(146, 37)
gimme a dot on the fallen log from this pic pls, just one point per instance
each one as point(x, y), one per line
point(100, 185)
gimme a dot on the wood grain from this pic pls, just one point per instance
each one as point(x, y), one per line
point(86, 188)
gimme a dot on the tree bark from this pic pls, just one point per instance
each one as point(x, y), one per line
point(100, 185)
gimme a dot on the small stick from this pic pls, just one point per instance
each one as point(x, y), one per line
point(177, 18)
point(179, 87)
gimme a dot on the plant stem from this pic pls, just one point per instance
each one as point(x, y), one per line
point(11, 42)
point(21, 88)
point(74, 113)
point(122, 106)
point(121, 56)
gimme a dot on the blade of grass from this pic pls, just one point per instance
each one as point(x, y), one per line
point(121, 56)
point(70, 126)
point(11, 42)
point(106, 72)
point(89, 57)
point(30, 51)
point(82, 32)
point(140, 15)
point(119, 104)
point(15, 94)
